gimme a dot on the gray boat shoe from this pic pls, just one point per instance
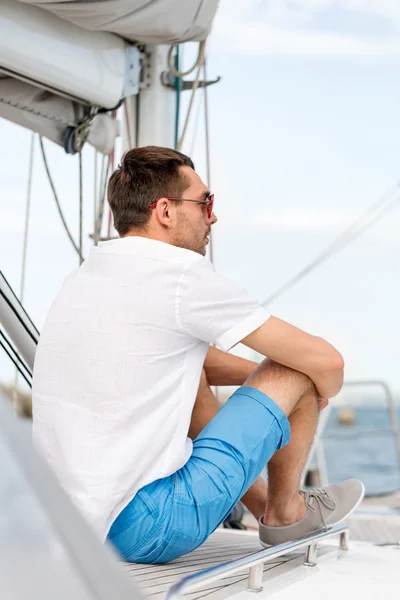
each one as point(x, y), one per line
point(326, 507)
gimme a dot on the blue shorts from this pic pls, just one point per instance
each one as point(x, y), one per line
point(173, 516)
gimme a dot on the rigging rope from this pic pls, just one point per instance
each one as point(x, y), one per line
point(103, 184)
point(190, 107)
point(96, 234)
point(80, 209)
point(128, 102)
point(110, 216)
point(351, 233)
point(112, 165)
point(207, 136)
point(95, 190)
point(178, 85)
point(198, 63)
point(56, 198)
point(195, 128)
point(27, 217)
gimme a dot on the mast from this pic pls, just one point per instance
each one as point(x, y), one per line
point(149, 116)
point(149, 119)
point(85, 69)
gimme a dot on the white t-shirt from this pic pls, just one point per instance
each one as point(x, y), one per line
point(118, 366)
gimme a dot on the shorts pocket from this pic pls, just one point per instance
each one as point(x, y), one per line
point(179, 544)
point(134, 533)
point(147, 553)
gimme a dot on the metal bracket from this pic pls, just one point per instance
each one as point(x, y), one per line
point(132, 71)
point(255, 578)
point(76, 135)
point(146, 78)
point(311, 554)
point(169, 80)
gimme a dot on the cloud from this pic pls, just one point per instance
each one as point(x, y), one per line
point(388, 10)
point(298, 12)
point(304, 28)
point(303, 220)
point(328, 222)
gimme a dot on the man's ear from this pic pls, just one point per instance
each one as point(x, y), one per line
point(163, 212)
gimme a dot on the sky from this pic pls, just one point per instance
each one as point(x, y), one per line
point(305, 136)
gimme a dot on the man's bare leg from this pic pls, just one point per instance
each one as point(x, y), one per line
point(296, 395)
point(285, 468)
point(205, 409)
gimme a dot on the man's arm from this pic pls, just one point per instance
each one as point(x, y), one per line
point(294, 348)
point(226, 369)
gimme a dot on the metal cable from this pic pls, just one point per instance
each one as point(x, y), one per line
point(26, 232)
point(351, 233)
point(207, 130)
point(57, 200)
point(207, 136)
point(15, 362)
point(208, 166)
point(20, 360)
point(14, 310)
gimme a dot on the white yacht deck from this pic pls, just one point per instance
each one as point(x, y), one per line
point(364, 569)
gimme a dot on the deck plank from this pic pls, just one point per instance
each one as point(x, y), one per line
point(222, 546)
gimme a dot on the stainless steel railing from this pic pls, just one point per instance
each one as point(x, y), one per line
point(255, 563)
point(318, 450)
point(392, 410)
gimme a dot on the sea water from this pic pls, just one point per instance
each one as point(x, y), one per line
point(371, 457)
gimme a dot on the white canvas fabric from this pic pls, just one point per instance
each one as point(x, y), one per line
point(103, 131)
point(118, 366)
point(155, 22)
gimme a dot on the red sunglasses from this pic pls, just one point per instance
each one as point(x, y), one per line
point(209, 202)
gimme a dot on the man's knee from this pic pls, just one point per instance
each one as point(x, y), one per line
point(268, 371)
point(283, 385)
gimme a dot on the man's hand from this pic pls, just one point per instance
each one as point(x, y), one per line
point(289, 346)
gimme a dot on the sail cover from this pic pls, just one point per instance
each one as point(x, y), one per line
point(142, 21)
point(43, 41)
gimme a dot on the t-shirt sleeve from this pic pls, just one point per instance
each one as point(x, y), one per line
point(213, 308)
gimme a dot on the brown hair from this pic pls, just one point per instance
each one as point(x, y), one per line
point(143, 176)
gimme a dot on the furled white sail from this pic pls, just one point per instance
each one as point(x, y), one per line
point(143, 21)
point(61, 61)
point(49, 115)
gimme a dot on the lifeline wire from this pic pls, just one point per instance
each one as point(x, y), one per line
point(351, 233)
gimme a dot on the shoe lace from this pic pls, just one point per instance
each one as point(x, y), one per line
point(315, 498)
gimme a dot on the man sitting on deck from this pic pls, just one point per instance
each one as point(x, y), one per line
point(122, 405)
